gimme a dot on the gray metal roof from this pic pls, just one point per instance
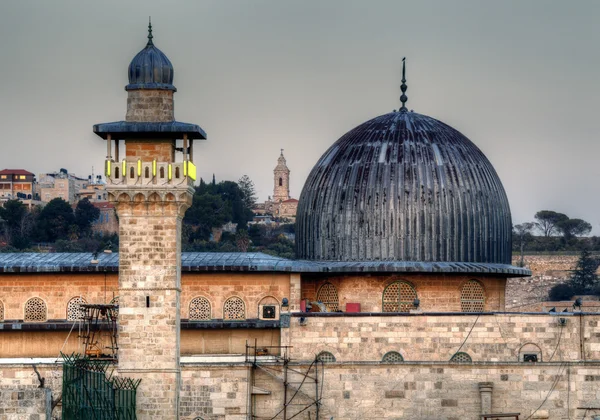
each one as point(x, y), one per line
point(148, 130)
point(404, 187)
point(250, 261)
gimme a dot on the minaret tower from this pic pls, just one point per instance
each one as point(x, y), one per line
point(151, 190)
point(281, 189)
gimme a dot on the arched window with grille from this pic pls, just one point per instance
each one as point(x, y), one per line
point(35, 310)
point(326, 357)
point(234, 308)
point(199, 309)
point(461, 357)
point(1, 311)
point(399, 297)
point(328, 295)
point(472, 297)
point(74, 310)
point(392, 357)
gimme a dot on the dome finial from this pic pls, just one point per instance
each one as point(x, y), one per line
point(150, 32)
point(403, 87)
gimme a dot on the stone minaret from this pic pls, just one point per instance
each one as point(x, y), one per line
point(151, 192)
point(281, 189)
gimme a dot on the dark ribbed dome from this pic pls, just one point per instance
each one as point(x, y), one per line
point(150, 69)
point(407, 187)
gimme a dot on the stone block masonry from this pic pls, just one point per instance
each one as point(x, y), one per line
point(20, 403)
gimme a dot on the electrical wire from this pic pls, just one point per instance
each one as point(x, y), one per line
point(468, 335)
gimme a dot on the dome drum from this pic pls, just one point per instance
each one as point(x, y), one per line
point(404, 187)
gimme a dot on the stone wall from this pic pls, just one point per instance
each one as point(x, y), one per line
point(56, 290)
point(18, 403)
point(147, 151)
point(148, 105)
point(436, 338)
point(436, 292)
point(218, 287)
point(546, 270)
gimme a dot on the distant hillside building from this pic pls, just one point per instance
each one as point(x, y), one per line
point(281, 205)
point(107, 222)
point(16, 183)
point(60, 184)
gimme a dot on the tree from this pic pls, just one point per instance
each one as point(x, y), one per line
point(55, 221)
point(548, 220)
point(584, 278)
point(85, 214)
point(574, 227)
point(248, 190)
point(522, 231)
point(207, 211)
point(17, 224)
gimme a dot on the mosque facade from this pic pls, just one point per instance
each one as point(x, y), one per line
point(394, 309)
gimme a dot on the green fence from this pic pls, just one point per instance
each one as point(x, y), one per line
point(89, 392)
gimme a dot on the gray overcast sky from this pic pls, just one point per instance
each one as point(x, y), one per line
point(519, 78)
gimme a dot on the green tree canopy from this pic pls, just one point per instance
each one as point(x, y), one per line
point(55, 221)
point(85, 214)
point(574, 227)
point(248, 190)
point(548, 221)
point(584, 278)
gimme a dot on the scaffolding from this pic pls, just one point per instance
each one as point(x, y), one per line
point(99, 331)
point(296, 383)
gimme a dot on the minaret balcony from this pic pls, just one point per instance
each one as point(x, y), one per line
point(138, 173)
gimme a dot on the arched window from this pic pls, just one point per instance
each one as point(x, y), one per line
point(325, 357)
point(199, 309)
point(147, 172)
point(234, 309)
point(162, 172)
point(281, 182)
point(117, 172)
point(472, 297)
point(131, 172)
point(461, 357)
point(530, 352)
point(392, 357)
point(1, 311)
point(35, 310)
point(74, 310)
point(399, 297)
point(328, 295)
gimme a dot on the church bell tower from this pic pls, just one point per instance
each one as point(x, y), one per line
point(281, 190)
point(150, 175)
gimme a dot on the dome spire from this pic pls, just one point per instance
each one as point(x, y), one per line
point(403, 87)
point(150, 43)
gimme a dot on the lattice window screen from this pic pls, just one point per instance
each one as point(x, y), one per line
point(461, 357)
point(472, 297)
point(74, 310)
point(326, 357)
point(35, 310)
point(399, 297)
point(234, 308)
point(1, 311)
point(328, 295)
point(199, 309)
point(392, 357)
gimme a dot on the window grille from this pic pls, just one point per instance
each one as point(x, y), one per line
point(35, 310)
point(472, 297)
point(399, 297)
point(74, 310)
point(328, 295)
point(234, 308)
point(115, 301)
point(392, 357)
point(199, 309)
point(325, 357)
point(1, 311)
point(461, 357)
